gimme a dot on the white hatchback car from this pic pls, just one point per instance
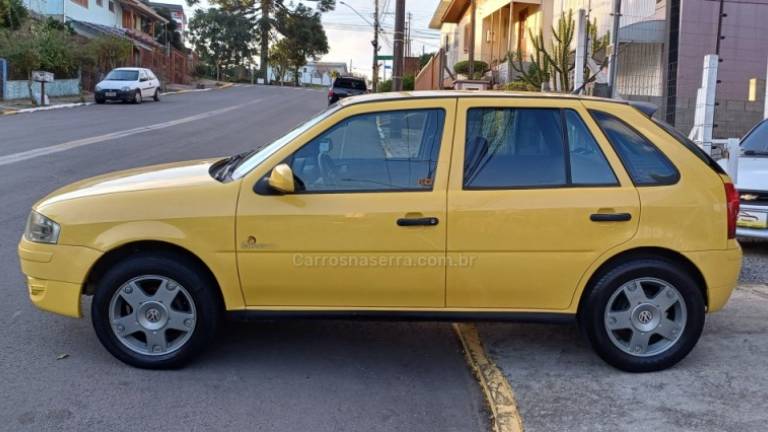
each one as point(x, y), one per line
point(752, 183)
point(129, 84)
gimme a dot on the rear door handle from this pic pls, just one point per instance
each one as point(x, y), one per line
point(424, 221)
point(610, 217)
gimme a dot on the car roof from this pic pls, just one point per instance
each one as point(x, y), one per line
point(646, 108)
point(136, 69)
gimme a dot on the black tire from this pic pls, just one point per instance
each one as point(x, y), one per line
point(156, 96)
point(184, 271)
point(99, 100)
point(592, 313)
point(137, 99)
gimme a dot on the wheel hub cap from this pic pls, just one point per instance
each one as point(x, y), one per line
point(152, 315)
point(646, 317)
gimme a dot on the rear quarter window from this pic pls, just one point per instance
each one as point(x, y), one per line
point(690, 145)
point(644, 162)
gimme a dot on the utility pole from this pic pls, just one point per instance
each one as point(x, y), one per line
point(472, 6)
point(408, 39)
point(398, 63)
point(375, 71)
point(613, 63)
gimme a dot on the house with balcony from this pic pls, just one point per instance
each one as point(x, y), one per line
point(129, 19)
point(501, 27)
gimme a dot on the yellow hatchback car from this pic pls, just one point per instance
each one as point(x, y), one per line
point(438, 205)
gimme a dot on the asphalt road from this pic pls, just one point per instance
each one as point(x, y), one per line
point(279, 376)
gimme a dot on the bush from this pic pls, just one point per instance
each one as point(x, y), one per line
point(519, 86)
point(12, 14)
point(409, 82)
point(462, 68)
point(385, 86)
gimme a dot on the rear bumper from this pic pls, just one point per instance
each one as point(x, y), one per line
point(55, 275)
point(721, 271)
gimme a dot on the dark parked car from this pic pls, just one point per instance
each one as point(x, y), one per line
point(346, 86)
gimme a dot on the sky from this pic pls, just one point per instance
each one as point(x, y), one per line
point(349, 36)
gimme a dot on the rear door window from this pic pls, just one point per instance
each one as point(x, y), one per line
point(646, 164)
point(514, 148)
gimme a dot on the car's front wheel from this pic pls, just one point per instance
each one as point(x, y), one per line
point(643, 315)
point(155, 311)
point(137, 97)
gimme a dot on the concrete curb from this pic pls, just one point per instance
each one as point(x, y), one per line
point(45, 108)
point(79, 104)
point(496, 389)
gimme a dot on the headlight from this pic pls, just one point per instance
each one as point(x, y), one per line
point(41, 229)
point(98, 87)
point(126, 88)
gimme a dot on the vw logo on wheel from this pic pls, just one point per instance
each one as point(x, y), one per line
point(152, 315)
point(645, 317)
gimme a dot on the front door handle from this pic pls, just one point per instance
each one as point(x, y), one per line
point(610, 217)
point(419, 221)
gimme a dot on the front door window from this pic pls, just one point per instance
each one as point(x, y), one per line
point(384, 151)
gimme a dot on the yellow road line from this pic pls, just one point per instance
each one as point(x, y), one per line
point(496, 389)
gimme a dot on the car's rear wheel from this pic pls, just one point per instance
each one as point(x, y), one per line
point(643, 315)
point(155, 311)
point(156, 97)
point(137, 97)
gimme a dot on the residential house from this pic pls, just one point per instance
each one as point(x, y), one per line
point(133, 20)
point(661, 51)
point(316, 73)
point(177, 14)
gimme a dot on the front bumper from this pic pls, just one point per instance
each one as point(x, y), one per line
point(118, 95)
point(55, 274)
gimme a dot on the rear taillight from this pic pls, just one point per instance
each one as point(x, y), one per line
point(732, 201)
point(330, 93)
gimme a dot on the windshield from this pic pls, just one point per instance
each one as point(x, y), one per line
point(265, 152)
point(349, 84)
point(123, 75)
point(756, 140)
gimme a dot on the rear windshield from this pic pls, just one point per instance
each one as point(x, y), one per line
point(690, 145)
point(349, 84)
point(123, 75)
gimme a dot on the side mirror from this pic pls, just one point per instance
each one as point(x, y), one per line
point(281, 179)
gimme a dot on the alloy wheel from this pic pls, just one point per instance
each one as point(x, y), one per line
point(645, 317)
point(152, 315)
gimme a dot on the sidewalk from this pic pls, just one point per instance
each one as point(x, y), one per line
point(16, 105)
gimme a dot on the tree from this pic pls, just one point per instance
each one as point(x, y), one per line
point(221, 38)
point(265, 13)
point(12, 14)
point(280, 59)
point(109, 52)
point(169, 33)
point(304, 37)
point(424, 59)
point(47, 45)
